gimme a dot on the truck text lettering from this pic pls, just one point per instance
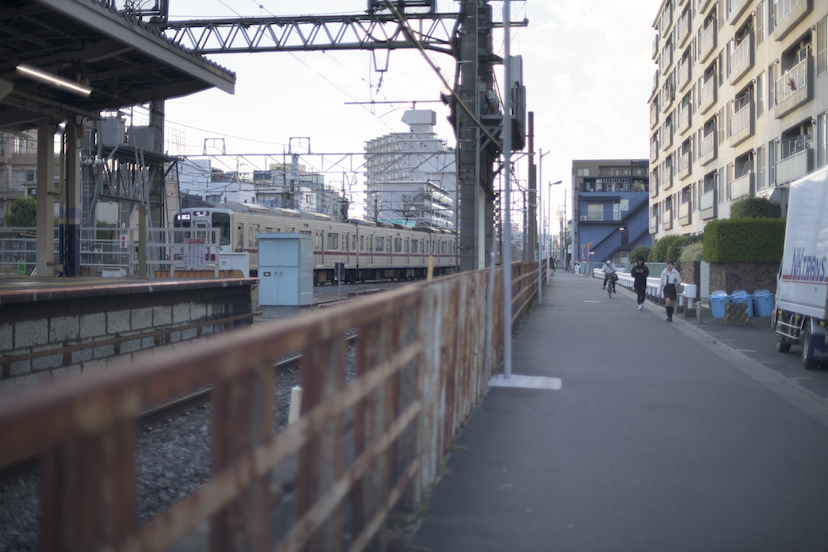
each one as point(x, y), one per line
point(808, 268)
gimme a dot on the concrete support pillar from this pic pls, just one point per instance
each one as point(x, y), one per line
point(72, 213)
point(46, 195)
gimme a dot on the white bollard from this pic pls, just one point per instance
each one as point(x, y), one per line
point(295, 404)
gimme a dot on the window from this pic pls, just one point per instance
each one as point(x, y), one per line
point(760, 95)
point(771, 87)
point(595, 211)
point(388, 244)
point(772, 163)
point(318, 243)
point(720, 180)
point(760, 167)
point(414, 246)
point(822, 47)
point(720, 122)
point(728, 179)
point(397, 245)
point(581, 172)
point(379, 245)
point(822, 139)
point(444, 248)
point(760, 23)
point(406, 246)
point(362, 243)
point(222, 221)
point(213, 199)
point(333, 242)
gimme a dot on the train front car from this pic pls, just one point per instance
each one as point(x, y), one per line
point(195, 223)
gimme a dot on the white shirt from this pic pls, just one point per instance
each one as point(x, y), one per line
point(672, 277)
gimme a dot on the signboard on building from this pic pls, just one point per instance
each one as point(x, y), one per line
point(195, 250)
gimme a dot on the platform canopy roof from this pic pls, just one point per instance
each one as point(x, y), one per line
point(53, 51)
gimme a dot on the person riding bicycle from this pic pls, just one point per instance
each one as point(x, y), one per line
point(609, 273)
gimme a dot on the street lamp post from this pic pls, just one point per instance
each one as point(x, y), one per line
point(550, 203)
point(540, 223)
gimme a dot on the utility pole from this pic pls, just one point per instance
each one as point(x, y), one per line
point(474, 160)
point(531, 223)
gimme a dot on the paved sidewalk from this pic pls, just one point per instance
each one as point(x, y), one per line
point(659, 438)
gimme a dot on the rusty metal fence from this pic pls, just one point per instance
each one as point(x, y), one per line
point(364, 447)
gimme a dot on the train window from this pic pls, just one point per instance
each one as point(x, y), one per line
point(397, 245)
point(222, 221)
point(414, 244)
point(240, 233)
point(380, 242)
point(268, 230)
point(181, 220)
point(388, 244)
point(256, 230)
point(305, 232)
point(362, 243)
point(318, 243)
point(406, 245)
point(353, 243)
point(333, 242)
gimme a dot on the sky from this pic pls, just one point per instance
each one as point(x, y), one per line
point(587, 69)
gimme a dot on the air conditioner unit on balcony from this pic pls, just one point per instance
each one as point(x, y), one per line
point(583, 218)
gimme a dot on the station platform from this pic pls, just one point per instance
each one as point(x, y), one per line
point(56, 326)
point(657, 436)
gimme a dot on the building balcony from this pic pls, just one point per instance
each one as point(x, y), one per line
point(684, 120)
point(707, 205)
point(737, 8)
point(683, 74)
point(741, 59)
point(666, 99)
point(741, 125)
point(741, 187)
point(655, 46)
point(653, 116)
point(707, 42)
point(684, 214)
point(666, 23)
point(684, 166)
point(683, 30)
point(653, 152)
point(653, 225)
point(666, 138)
point(655, 80)
point(667, 223)
point(667, 178)
point(666, 60)
point(703, 4)
point(680, 2)
point(795, 167)
point(793, 89)
point(707, 149)
point(788, 15)
point(707, 95)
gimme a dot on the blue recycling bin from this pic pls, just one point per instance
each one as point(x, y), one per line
point(741, 296)
point(718, 300)
point(763, 302)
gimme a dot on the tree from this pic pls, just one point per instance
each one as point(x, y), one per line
point(22, 213)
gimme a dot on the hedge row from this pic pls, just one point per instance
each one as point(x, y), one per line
point(744, 240)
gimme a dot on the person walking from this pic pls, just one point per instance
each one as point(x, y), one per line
point(670, 280)
point(640, 273)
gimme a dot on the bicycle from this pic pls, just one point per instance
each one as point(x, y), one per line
point(611, 284)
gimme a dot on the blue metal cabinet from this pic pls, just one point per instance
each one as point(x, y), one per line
point(285, 269)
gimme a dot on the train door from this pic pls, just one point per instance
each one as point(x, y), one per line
point(407, 251)
point(318, 248)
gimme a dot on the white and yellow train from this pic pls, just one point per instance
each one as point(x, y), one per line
point(368, 250)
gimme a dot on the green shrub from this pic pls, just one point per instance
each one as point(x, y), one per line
point(674, 251)
point(745, 240)
point(22, 213)
point(641, 250)
point(661, 248)
point(692, 252)
point(755, 207)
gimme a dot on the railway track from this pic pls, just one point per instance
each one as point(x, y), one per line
point(28, 464)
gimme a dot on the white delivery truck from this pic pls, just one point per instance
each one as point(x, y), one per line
point(800, 313)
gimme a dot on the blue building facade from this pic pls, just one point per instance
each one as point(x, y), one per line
point(611, 204)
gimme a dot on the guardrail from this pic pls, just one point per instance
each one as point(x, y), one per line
point(423, 359)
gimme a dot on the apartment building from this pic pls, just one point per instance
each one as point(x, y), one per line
point(610, 198)
point(411, 175)
point(738, 106)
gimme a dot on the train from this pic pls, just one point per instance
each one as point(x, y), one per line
point(368, 250)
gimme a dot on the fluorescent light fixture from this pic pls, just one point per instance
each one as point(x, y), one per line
point(54, 80)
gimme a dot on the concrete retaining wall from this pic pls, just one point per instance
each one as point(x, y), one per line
point(34, 321)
